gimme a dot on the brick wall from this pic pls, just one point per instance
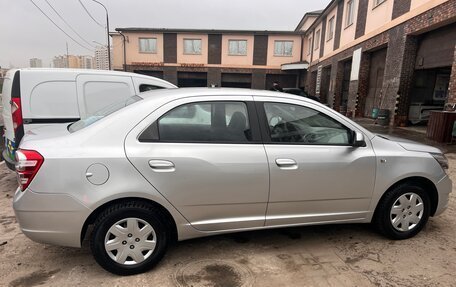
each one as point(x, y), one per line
point(452, 88)
point(363, 84)
point(400, 7)
point(400, 61)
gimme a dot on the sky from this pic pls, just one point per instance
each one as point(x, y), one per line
point(26, 33)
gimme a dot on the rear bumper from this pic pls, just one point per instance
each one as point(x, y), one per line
point(444, 187)
point(9, 163)
point(50, 218)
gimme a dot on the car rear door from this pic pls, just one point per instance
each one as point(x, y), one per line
point(205, 156)
point(315, 174)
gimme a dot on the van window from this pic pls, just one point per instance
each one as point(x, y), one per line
point(54, 100)
point(98, 95)
point(146, 87)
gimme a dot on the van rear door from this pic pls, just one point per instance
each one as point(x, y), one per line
point(97, 92)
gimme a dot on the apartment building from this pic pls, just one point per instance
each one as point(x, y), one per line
point(101, 58)
point(397, 55)
point(36, 63)
point(226, 58)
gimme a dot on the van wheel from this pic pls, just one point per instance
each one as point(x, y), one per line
point(129, 238)
point(403, 211)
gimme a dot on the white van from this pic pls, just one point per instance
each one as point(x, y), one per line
point(36, 97)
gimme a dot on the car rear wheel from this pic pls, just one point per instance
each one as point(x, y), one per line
point(403, 211)
point(129, 238)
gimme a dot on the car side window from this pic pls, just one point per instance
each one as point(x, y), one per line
point(202, 122)
point(146, 87)
point(290, 123)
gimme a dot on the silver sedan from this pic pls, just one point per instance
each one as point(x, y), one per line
point(185, 163)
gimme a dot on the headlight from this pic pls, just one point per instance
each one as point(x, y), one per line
point(441, 159)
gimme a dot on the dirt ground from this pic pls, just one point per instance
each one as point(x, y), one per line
point(332, 255)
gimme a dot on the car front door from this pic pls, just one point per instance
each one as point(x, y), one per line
point(205, 156)
point(316, 175)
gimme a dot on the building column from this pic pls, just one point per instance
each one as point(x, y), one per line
point(452, 88)
point(214, 77)
point(337, 77)
point(170, 74)
point(398, 77)
point(259, 79)
point(358, 87)
point(363, 85)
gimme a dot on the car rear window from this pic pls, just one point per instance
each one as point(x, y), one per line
point(106, 111)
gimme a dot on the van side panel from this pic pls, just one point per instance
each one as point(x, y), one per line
point(95, 93)
point(53, 100)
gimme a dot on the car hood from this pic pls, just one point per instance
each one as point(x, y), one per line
point(45, 132)
point(411, 145)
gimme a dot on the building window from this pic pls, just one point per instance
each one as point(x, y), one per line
point(192, 46)
point(350, 12)
point(310, 46)
point(378, 2)
point(148, 45)
point(330, 28)
point(237, 47)
point(283, 48)
point(317, 40)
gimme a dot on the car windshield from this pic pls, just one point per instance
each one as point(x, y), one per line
point(76, 126)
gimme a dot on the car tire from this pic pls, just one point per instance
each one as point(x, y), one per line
point(125, 231)
point(403, 211)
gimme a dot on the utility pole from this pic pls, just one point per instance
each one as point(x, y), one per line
point(107, 32)
point(67, 56)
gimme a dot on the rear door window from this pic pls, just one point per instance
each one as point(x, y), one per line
point(218, 122)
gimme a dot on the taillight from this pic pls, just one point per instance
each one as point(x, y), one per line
point(28, 162)
point(16, 112)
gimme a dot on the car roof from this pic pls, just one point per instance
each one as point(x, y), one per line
point(83, 71)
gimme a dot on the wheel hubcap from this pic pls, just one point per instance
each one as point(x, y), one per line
point(130, 241)
point(407, 212)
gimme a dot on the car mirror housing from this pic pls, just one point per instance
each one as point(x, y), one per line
point(358, 139)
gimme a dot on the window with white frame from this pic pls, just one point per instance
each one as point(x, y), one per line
point(283, 48)
point(330, 29)
point(378, 2)
point(148, 45)
point(350, 13)
point(310, 46)
point(192, 46)
point(317, 40)
point(237, 47)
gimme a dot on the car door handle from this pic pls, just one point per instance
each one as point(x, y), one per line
point(286, 163)
point(161, 165)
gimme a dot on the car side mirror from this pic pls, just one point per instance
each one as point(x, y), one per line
point(358, 139)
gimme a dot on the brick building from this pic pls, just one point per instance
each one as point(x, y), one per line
point(249, 59)
point(356, 55)
point(386, 54)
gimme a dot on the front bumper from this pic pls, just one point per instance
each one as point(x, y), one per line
point(50, 218)
point(444, 187)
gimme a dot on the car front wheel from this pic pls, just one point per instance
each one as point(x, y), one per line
point(129, 238)
point(403, 211)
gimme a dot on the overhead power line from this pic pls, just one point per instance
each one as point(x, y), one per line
point(90, 15)
point(69, 26)
point(38, 7)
